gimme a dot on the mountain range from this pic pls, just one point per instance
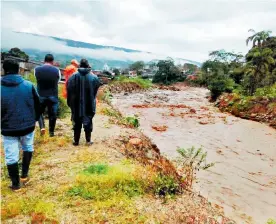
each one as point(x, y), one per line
point(36, 46)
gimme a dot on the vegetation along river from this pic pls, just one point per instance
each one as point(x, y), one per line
point(243, 180)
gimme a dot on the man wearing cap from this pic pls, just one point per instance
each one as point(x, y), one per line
point(68, 72)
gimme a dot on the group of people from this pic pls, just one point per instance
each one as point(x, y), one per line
point(22, 105)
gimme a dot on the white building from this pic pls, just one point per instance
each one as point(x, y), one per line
point(106, 67)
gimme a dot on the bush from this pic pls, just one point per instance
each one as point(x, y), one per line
point(219, 85)
point(191, 161)
point(165, 185)
point(30, 77)
point(63, 109)
point(268, 91)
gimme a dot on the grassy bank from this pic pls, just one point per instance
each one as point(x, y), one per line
point(259, 107)
point(125, 84)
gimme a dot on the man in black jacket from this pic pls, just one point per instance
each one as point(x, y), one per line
point(47, 77)
point(82, 88)
point(20, 109)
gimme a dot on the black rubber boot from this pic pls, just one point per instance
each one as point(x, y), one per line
point(88, 137)
point(77, 134)
point(52, 125)
point(14, 175)
point(27, 157)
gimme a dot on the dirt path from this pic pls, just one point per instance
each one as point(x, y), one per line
point(243, 180)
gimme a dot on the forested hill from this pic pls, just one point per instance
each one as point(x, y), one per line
point(98, 56)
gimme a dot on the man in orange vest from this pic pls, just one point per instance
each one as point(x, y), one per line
point(68, 72)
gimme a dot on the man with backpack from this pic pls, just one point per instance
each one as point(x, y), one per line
point(20, 109)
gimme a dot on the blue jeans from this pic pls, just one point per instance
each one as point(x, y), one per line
point(12, 146)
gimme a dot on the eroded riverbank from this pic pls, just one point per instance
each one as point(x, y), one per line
point(243, 180)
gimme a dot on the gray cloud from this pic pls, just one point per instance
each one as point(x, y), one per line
point(187, 29)
point(27, 41)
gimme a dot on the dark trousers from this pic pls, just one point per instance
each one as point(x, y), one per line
point(87, 124)
point(51, 103)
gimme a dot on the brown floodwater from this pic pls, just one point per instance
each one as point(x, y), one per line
point(243, 180)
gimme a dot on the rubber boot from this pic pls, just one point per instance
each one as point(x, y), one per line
point(27, 157)
point(14, 175)
point(77, 134)
point(88, 138)
point(52, 125)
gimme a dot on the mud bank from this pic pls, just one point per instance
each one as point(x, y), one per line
point(243, 180)
point(255, 109)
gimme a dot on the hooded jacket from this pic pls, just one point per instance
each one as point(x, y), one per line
point(82, 88)
point(20, 106)
point(68, 72)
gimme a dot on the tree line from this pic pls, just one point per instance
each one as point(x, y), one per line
point(228, 71)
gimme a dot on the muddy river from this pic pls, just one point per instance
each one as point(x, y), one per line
point(243, 180)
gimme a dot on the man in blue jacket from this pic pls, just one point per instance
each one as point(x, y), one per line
point(82, 88)
point(20, 109)
point(47, 77)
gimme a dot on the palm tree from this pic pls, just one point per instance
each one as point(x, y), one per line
point(258, 37)
point(257, 70)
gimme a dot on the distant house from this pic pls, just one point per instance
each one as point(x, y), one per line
point(106, 67)
point(24, 68)
point(132, 74)
point(148, 73)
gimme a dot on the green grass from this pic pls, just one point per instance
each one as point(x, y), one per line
point(143, 83)
point(97, 169)
point(271, 221)
point(117, 118)
point(28, 206)
point(102, 182)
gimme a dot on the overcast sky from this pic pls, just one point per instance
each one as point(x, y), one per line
point(179, 28)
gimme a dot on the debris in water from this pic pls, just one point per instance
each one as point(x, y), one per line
point(204, 108)
point(193, 110)
point(160, 128)
point(155, 105)
point(203, 122)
